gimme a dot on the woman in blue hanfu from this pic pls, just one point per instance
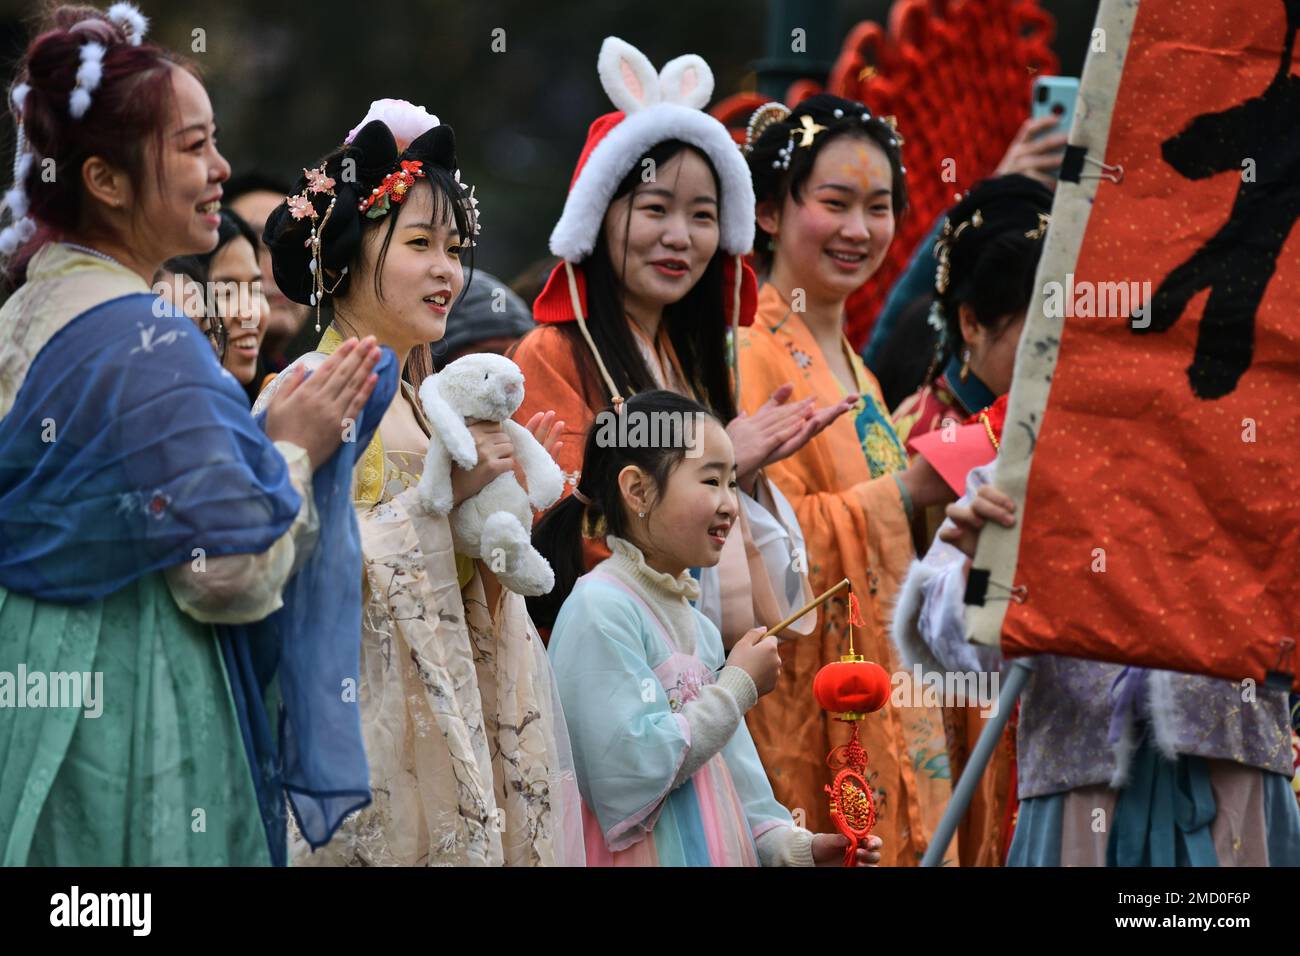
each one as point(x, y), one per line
point(169, 565)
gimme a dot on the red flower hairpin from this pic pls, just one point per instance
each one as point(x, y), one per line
point(392, 190)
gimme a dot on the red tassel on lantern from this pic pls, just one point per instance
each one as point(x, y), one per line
point(849, 689)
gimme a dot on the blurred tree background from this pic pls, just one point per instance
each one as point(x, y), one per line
point(289, 78)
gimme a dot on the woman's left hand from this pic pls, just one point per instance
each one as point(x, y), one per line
point(547, 431)
point(813, 426)
point(925, 485)
point(828, 850)
point(989, 504)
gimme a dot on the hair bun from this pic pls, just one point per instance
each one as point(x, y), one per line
point(357, 168)
point(995, 208)
point(122, 23)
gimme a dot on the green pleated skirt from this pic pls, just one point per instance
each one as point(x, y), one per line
point(160, 777)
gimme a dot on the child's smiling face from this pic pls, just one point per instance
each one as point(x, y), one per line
point(687, 523)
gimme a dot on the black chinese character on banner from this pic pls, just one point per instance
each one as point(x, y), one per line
point(1260, 139)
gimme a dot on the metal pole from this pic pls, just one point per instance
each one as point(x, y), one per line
point(1022, 668)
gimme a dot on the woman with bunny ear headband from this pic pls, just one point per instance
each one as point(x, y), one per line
point(658, 218)
point(468, 751)
point(153, 535)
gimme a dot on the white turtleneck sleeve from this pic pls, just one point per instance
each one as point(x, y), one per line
point(713, 717)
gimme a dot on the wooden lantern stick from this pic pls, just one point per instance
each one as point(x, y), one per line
point(816, 602)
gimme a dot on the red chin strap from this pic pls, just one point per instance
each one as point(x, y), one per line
point(554, 304)
point(564, 299)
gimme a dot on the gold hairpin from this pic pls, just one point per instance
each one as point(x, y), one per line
point(943, 245)
point(975, 221)
point(809, 131)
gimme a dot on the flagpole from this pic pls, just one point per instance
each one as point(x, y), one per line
point(1021, 669)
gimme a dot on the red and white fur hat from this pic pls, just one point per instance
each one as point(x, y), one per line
point(652, 107)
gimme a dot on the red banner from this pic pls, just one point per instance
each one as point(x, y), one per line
point(1153, 431)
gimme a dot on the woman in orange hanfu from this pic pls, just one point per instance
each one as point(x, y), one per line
point(828, 183)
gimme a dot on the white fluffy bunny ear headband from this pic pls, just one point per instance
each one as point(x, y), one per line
point(632, 83)
point(657, 106)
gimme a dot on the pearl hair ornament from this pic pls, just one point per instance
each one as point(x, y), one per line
point(771, 113)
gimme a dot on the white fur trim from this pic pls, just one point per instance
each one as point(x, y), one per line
point(1122, 750)
point(9, 240)
point(15, 234)
point(133, 23)
point(89, 73)
point(1163, 711)
point(16, 197)
point(904, 628)
point(16, 201)
point(91, 70)
point(627, 75)
point(78, 103)
point(575, 234)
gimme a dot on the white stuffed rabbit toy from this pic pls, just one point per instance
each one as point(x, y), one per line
point(494, 524)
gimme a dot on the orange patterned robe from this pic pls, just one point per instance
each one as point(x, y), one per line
point(849, 505)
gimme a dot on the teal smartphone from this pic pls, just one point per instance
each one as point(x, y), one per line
point(1055, 96)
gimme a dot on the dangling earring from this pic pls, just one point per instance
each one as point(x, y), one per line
point(771, 244)
point(965, 364)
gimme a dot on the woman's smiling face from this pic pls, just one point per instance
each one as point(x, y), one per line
point(178, 212)
point(662, 235)
point(834, 237)
point(236, 281)
point(421, 274)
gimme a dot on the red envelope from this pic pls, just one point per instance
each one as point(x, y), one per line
point(953, 452)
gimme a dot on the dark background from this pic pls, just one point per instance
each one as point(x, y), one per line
point(289, 79)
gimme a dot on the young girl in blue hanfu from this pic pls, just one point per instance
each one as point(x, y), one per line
point(668, 773)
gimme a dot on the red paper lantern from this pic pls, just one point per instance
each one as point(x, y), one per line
point(851, 687)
